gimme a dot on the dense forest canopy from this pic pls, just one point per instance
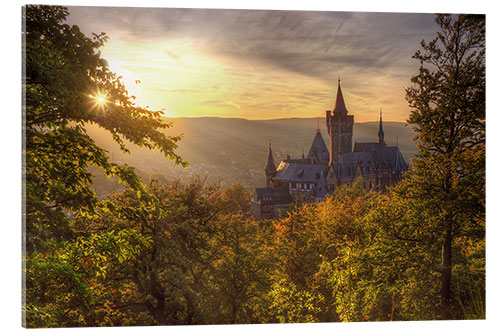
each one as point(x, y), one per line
point(173, 253)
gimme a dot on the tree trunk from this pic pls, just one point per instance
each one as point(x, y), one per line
point(234, 312)
point(159, 311)
point(446, 272)
point(393, 308)
point(158, 293)
point(189, 310)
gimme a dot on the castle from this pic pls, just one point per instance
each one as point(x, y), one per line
point(310, 179)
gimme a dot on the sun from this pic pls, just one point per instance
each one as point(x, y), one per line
point(99, 99)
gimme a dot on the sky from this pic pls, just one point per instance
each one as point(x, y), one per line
point(261, 64)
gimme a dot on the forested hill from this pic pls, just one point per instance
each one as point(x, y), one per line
point(207, 136)
point(231, 150)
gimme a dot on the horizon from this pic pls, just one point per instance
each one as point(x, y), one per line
point(288, 118)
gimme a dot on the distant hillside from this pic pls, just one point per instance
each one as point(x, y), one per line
point(230, 150)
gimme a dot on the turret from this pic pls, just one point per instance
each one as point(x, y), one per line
point(340, 108)
point(270, 168)
point(339, 125)
point(380, 130)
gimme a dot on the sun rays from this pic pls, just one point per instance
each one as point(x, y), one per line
point(99, 100)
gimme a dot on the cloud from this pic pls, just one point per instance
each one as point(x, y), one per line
point(315, 44)
point(176, 91)
point(271, 53)
point(221, 104)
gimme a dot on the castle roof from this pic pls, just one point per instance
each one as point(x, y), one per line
point(299, 160)
point(365, 146)
point(321, 190)
point(318, 149)
point(370, 157)
point(339, 103)
point(345, 166)
point(273, 196)
point(297, 172)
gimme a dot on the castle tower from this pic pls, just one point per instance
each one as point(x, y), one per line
point(339, 128)
point(380, 130)
point(270, 168)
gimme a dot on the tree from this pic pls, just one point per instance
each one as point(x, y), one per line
point(241, 276)
point(319, 246)
point(447, 102)
point(298, 247)
point(237, 200)
point(199, 263)
point(346, 237)
point(68, 85)
point(182, 222)
point(68, 285)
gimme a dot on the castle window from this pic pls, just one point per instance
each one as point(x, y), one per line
point(293, 185)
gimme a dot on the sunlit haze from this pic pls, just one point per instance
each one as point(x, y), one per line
point(260, 64)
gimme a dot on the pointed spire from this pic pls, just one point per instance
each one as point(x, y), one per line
point(317, 129)
point(380, 129)
point(339, 102)
point(270, 161)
